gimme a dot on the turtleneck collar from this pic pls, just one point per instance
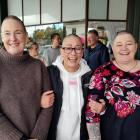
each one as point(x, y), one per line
point(5, 57)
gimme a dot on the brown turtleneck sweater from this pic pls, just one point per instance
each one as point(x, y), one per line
point(22, 81)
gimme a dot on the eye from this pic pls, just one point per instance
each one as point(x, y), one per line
point(7, 33)
point(68, 49)
point(119, 45)
point(18, 33)
point(129, 44)
point(79, 48)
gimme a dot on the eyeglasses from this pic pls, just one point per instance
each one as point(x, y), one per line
point(68, 50)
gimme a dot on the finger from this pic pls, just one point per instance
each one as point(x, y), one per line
point(102, 101)
point(48, 92)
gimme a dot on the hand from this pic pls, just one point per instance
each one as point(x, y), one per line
point(32, 139)
point(47, 99)
point(97, 107)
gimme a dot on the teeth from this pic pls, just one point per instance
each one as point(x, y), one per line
point(124, 53)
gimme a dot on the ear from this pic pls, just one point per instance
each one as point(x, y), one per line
point(136, 47)
point(27, 38)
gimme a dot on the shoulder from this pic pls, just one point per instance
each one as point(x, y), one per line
point(102, 46)
point(101, 69)
point(52, 69)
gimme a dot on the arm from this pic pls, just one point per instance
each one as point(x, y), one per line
point(41, 128)
point(93, 107)
point(47, 99)
point(8, 131)
point(97, 107)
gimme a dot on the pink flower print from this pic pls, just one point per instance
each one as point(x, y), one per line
point(113, 67)
point(115, 80)
point(120, 73)
point(96, 82)
point(109, 97)
point(106, 72)
point(133, 98)
point(92, 82)
point(123, 109)
point(112, 101)
point(117, 90)
point(127, 83)
point(91, 117)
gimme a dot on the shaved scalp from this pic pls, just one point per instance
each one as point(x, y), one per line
point(72, 35)
point(125, 32)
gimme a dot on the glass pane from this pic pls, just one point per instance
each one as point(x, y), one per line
point(73, 10)
point(31, 12)
point(118, 9)
point(51, 11)
point(107, 30)
point(42, 34)
point(75, 28)
point(15, 8)
point(97, 9)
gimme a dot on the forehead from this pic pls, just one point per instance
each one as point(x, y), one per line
point(11, 24)
point(124, 38)
point(34, 46)
point(56, 37)
point(91, 35)
point(72, 41)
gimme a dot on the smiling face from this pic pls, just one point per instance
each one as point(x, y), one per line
point(124, 48)
point(71, 60)
point(13, 36)
point(92, 39)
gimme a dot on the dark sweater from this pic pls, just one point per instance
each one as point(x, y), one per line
point(22, 81)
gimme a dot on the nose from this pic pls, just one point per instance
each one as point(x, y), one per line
point(12, 36)
point(124, 46)
point(73, 51)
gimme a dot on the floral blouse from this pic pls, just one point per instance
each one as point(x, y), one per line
point(120, 89)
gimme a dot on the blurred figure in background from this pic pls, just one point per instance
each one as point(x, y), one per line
point(97, 53)
point(51, 53)
point(33, 50)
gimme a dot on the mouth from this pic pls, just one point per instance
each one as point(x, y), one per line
point(72, 59)
point(14, 45)
point(124, 53)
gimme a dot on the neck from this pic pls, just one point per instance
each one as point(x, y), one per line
point(54, 46)
point(127, 67)
point(93, 46)
point(71, 69)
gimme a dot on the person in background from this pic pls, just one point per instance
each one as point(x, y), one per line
point(97, 53)
point(33, 50)
point(23, 79)
point(51, 53)
point(69, 76)
point(119, 82)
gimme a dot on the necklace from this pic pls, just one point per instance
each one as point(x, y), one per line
point(133, 66)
